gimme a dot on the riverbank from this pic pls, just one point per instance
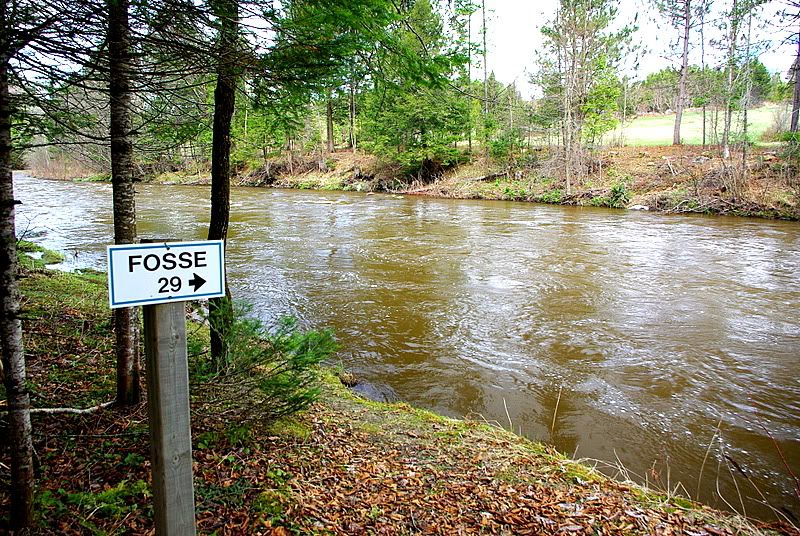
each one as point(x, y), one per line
point(686, 179)
point(346, 466)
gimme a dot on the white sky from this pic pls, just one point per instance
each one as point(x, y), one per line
point(514, 36)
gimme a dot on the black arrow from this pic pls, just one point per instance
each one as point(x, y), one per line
point(197, 282)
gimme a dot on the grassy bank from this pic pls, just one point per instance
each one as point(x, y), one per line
point(668, 179)
point(656, 129)
point(659, 179)
point(346, 466)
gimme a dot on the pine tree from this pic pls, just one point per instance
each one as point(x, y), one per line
point(684, 16)
point(580, 52)
point(30, 32)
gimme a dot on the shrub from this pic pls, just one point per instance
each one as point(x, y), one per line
point(270, 373)
point(515, 190)
point(551, 196)
point(618, 197)
point(790, 137)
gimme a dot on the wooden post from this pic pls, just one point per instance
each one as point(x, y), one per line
point(168, 412)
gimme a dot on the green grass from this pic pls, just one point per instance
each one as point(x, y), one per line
point(65, 315)
point(115, 503)
point(100, 177)
point(657, 129)
point(35, 257)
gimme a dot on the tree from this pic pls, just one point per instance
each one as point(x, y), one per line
point(463, 27)
point(95, 59)
point(779, 89)
point(580, 51)
point(126, 323)
point(117, 70)
point(796, 92)
point(13, 357)
point(35, 40)
point(790, 18)
point(658, 91)
point(26, 29)
point(738, 75)
point(297, 49)
point(602, 101)
point(485, 51)
point(410, 117)
point(757, 80)
point(227, 12)
point(682, 14)
point(705, 98)
point(329, 123)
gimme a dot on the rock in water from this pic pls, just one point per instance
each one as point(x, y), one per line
point(379, 392)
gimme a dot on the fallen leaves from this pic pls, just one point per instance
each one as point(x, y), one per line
point(349, 477)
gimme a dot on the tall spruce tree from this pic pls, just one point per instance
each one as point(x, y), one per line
point(417, 120)
point(32, 34)
point(228, 68)
point(126, 323)
point(310, 43)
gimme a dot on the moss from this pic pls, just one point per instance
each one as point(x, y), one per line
point(52, 257)
point(28, 247)
point(269, 505)
point(99, 177)
point(290, 427)
point(680, 502)
point(331, 185)
point(115, 503)
point(34, 257)
point(579, 473)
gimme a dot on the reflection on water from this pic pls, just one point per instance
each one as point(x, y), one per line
point(640, 333)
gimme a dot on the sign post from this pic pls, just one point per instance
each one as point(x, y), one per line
point(168, 415)
point(162, 276)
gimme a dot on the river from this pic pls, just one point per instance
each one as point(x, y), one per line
point(644, 334)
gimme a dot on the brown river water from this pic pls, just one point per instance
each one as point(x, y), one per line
point(646, 335)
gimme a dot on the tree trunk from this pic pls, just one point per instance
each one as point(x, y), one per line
point(704, 126)
point(220, 310)
point(796, 96)
point(687, 19)
point(624, 110)
point(569, 71)
point(703, 13)
point(469, 81)
point(329, 124)
point(485, 89)
point(13, 356)
point(126, 321)
point(290, 147)
point(353, 113)
point(741, 178)
point(733, 36)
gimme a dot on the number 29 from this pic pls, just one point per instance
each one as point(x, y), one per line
point(173, 284)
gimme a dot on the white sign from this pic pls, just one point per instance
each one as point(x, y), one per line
point(147, 274)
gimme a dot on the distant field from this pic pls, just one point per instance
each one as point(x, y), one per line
point(657, 129)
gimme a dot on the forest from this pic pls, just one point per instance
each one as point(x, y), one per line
point(415, 91)
point(253, 92)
